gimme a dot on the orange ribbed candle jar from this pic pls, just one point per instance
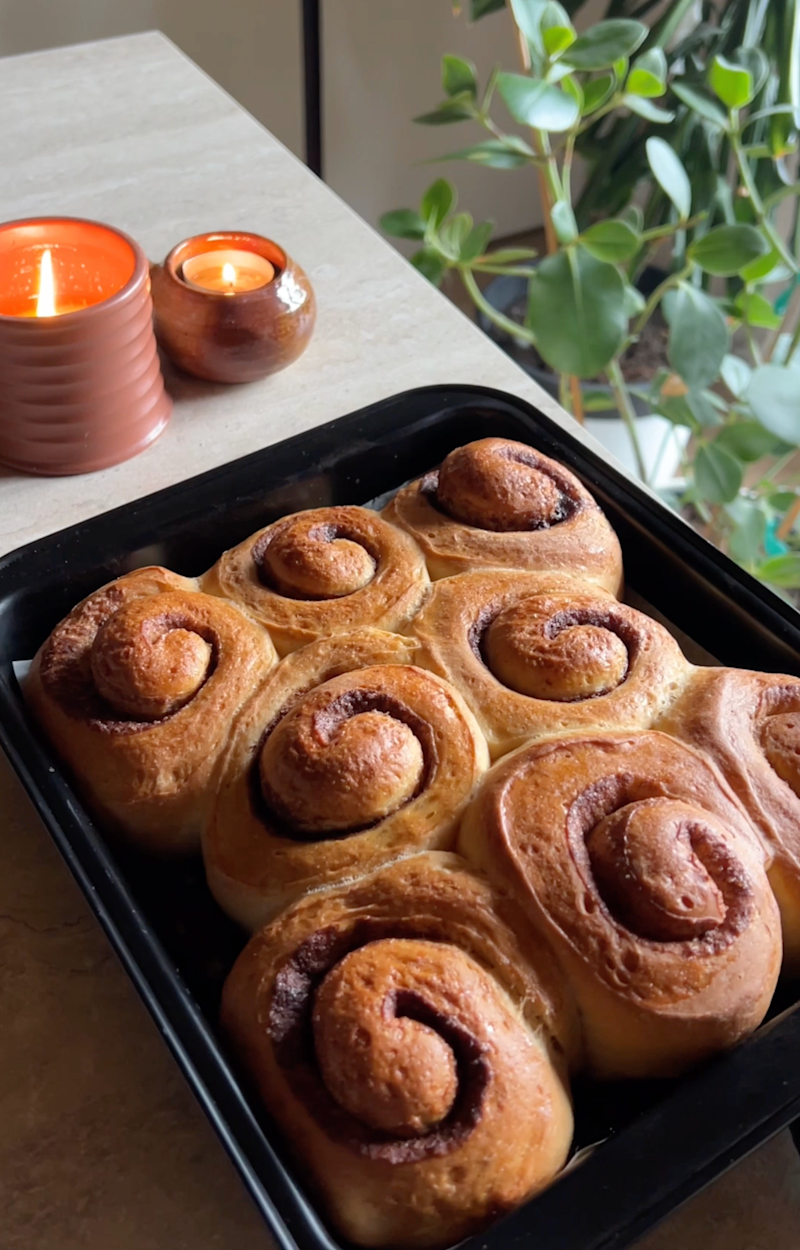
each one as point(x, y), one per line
point(80, 379)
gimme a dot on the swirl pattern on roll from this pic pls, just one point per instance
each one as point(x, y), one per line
point(347, 758)
point(499, 504)
point(536, 654)
point(323, 572)
point(749, 723)
point(633, 859)
point(137, 689)
point(411, 1047)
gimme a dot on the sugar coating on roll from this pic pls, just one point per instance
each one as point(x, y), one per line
point(348, 757)
point(633, 859)
point(322, 572)
point(412, 1048)
point(749, 723)
point(499, 504)
point(539, 654)
point(137, 689)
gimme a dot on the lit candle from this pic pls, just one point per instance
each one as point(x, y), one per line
point(227, 272)
point(54, 266)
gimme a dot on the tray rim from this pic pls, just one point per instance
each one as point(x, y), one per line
point(783, 621)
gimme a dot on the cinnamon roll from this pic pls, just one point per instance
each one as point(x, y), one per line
point(536, 654)
point(411, 1047)
point(501, 504)
point(749, 723)
point(137, 689)
point(322, 572)
point(348, 757)
point(635, 862)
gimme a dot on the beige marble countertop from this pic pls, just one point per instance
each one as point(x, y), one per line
point(102, 1147)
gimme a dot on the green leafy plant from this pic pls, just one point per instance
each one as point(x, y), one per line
point(583, 308)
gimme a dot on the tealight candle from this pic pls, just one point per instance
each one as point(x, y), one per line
point(228, 271)
point(81, 381)
point(232, 306)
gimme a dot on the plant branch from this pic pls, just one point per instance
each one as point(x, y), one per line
point(498, 319)
point(626, 411)
point(755, 196)
point(658, 294)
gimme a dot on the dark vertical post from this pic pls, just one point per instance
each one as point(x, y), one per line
point(312, 84)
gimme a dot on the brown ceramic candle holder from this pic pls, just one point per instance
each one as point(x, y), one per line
point(80, 380)
point(224, 333)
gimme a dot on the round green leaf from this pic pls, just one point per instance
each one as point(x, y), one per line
point(453, 234)
point(431, 264)
point(596, 92)
point(647, 109)
point(476, 241)
point(494, 153)
point(613, 241)
point(736, 374)
point(557, 30)
point(403, 223)
point(533, 102)
point(648, 76)
point(759, 268)
point(698, 338)
point(727, 249)
point(634, 301)
point(756, 62)
point(601, 45)
point(747, 538)
point(437, 202)
point(458, 75)
point(774, 396)
point(563, 220)
point(781, 570)
point(717, 474)
point(459, 109)
point(701, 104)
point(732, 83)
point(670, 175)
point(573, 88)
point(747, 440)
point(576, 309)
point(755, 310)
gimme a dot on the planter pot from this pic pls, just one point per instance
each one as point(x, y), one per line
point(662, 443)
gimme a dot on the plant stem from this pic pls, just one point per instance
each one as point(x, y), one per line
point(577, 399)
point(795, 341)
point(503, 323)
point(755, 350)
point(626, 411)
point(755, 196)
point(544, 196)
point(566, 166)
point(657, 295)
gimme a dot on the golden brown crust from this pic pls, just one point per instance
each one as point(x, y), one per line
point(347, 758)
point(633, 859)
point(749, 723)
point(137, 689)
point(500, 504)
point(323, 572)
point(538, 654)
point(432, 1098)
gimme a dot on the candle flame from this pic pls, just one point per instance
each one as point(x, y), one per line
point(46, 299)
point(229, 274)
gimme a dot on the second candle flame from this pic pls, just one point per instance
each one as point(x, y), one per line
point(46, 299)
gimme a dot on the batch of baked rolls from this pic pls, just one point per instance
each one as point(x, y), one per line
point(487, 824)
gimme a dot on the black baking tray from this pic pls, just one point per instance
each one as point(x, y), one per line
point(660, 1142)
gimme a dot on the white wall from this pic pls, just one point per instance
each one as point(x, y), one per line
point(381, 67)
